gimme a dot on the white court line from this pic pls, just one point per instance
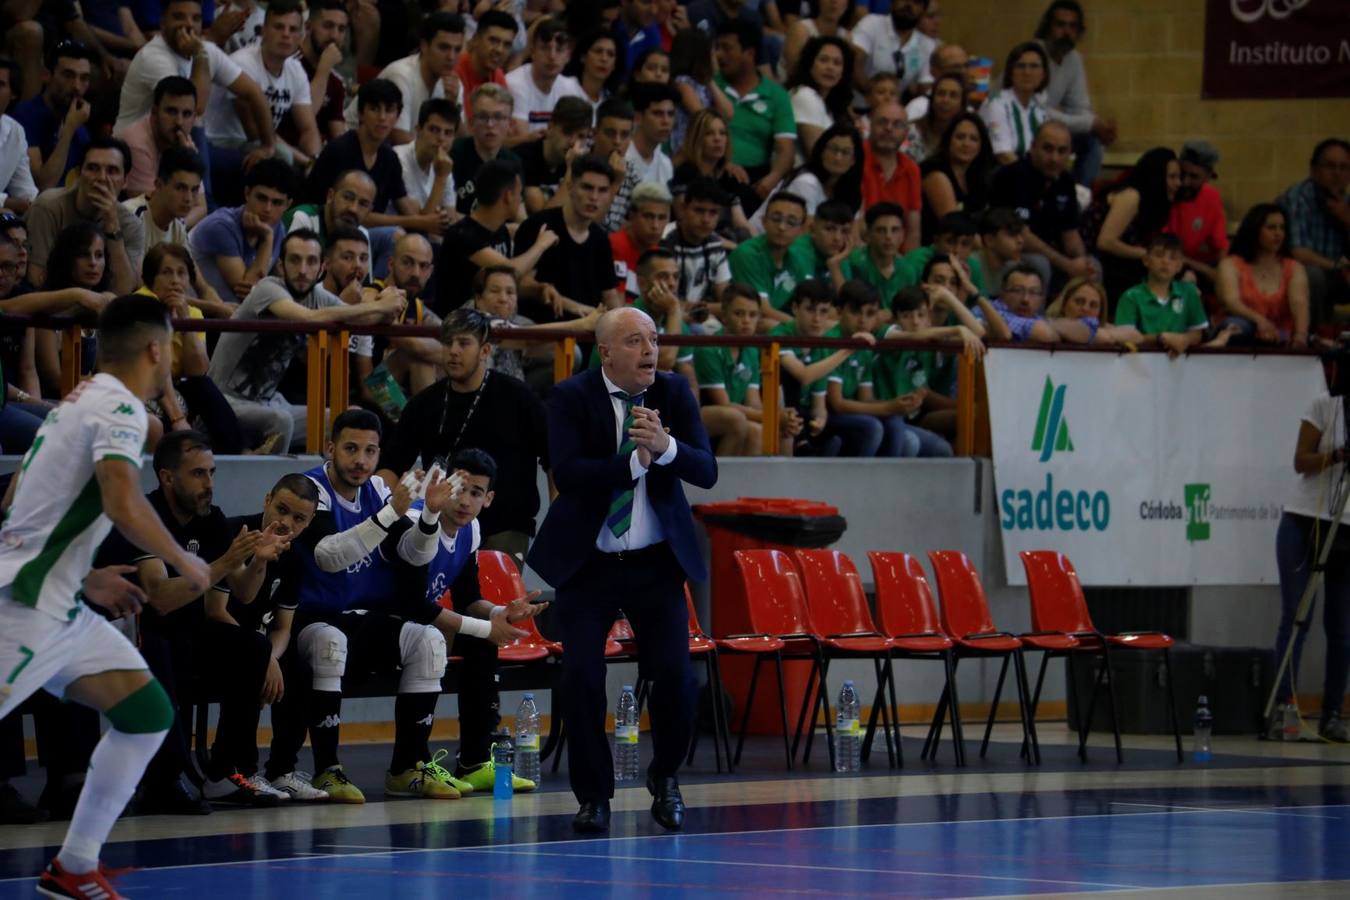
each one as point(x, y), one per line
point(1251, 811)
point(682, 860)
point(648, 837)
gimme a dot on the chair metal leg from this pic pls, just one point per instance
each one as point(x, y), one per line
point(721, 712)
point(993, 708)
point(895, 712)
point(934, 735)
point(1091, 711)
point(824, 703)
point(1172, 700)
point(749, 702)
point(1072, 695)
point(1036, 695)
point(782, 708)
point(950, 660)
point(1023, 696)
point(1111, 698)
point(808, 699)
point(817, 700)
point(870, 732)
point(885, 709)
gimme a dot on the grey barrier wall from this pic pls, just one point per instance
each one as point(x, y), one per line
point(910, 505)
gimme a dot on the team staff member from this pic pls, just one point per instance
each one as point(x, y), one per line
point(620, 534)
point(475, 407)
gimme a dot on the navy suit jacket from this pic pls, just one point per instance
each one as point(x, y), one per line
point(588, 469)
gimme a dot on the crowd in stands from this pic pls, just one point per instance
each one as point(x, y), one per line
point(730, 167)
point(392, 162)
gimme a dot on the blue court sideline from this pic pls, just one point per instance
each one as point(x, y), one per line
point(962, 845)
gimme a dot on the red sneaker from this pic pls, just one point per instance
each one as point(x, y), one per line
point(57, 882)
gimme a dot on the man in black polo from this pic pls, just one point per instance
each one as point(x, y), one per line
point(475, 407)
point(1041, 190)
point(198, 645)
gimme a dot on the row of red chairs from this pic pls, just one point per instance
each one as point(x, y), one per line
point(811, 606)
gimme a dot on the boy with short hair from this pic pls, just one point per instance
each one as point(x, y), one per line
point(544, 162)
point(775, 262)
point(877, 261)
point(1001, 237)
point(955, 237)
point(813, 305)
point(729, 376)
point(1168, 311)
point(829, 239)
point(698, 248)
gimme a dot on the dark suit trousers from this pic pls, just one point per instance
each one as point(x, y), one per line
point(648, 585)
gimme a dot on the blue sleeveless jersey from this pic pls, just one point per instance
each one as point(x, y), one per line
point(452, 555)
point(365, 584)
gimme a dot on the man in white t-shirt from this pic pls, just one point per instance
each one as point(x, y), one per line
point(538, 85)
point(892, 42)
point(178, 49)
point(427, 170)
point(272, 63)
point(655, 107)
point(428, 73)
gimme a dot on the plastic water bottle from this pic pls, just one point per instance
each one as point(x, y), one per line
point(1289, 723)
point(1204, 726)
point(847, 731)
point(503, 758)
point(626, 737)
point(527, 740)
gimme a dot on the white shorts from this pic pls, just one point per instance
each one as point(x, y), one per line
point(38, 651)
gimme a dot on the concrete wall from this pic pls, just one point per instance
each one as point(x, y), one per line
point(1143, 61)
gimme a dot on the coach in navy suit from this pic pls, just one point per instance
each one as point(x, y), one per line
point(620, 535)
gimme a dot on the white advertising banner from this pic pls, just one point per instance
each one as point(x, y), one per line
point(1146, 470)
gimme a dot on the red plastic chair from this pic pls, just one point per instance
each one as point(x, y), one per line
point(782, 630)
point(838, 605)
point(907, 613)
point(966, 620)
point(1058, 607)
point(500, 582)
point(704, 647)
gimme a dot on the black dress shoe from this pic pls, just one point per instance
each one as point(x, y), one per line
point(592, 818)
point(667, 804)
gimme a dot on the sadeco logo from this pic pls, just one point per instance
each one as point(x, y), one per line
point(1048, 509)
point(1197, 512)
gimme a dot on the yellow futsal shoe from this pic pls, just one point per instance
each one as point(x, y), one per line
point(426, 780)
point(340, 790)
point(483, 776)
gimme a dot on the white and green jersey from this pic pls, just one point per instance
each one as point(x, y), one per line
point(56, 521)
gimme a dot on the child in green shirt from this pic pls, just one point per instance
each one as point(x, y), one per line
point(771, 262)
point(813, 309)
point(1167, 311)
point(877, 262)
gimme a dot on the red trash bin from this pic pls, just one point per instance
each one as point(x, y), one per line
point(758, 523)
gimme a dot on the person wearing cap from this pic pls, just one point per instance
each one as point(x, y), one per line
point(1197, 217)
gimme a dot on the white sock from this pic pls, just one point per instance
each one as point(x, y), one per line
point(115, 769)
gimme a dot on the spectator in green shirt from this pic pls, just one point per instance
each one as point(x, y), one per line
point(955, 237)
point(877, 261)
point(1167, 311)
point(763, 127)
point(771, 262)
point(728, 377)
point(828, 240)
point(1001, 239)
point(804, 371)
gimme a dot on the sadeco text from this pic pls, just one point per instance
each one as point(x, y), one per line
point(1050, 510)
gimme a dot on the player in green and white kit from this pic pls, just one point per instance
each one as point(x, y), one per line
point(76, 482)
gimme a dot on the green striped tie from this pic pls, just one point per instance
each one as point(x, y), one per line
point(620, 517)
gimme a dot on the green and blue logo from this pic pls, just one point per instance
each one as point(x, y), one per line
point(1197, 512)
point(1052, 429)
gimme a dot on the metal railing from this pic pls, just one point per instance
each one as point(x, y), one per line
point(329, 374)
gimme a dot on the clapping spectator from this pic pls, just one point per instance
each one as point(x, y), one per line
point(1122, 221)
point(1014, 115)
point(1261, 285)
point(820, 89)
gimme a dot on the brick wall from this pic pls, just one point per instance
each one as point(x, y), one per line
point(1143, 62)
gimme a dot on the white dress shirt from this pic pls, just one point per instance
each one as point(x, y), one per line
point(16, 176)
point(644, 529)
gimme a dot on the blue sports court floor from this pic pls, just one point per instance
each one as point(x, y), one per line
point(1261, 820)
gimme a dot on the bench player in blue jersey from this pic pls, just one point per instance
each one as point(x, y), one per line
point(455, 569)
point(352, 619)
